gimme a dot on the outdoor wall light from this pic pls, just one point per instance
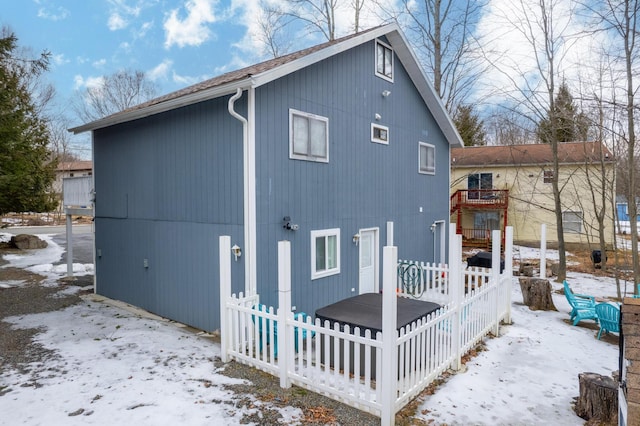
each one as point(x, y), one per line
point(356, 239)
point(288, 225)
point(386, 93)
point(378, 117)
point(237, 251)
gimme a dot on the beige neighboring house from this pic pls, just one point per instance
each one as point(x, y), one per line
point(496, 186)
point(71, 169)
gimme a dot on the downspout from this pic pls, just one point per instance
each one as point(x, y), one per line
point(248, 165)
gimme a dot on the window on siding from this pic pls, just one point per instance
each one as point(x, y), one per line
point(426, 158)
point(384, 61)
point(379, 134)
point(325, 253)
point(548, 176)
point(478, 181)
point(309, 137)
point(572, 222)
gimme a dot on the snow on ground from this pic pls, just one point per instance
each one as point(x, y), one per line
point(45, 262)
point(116, 367)
point(528, 376)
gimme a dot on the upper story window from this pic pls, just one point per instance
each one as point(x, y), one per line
point(426, 158)
point(548, 176)
point(325, 253)
point(379, 134)
point(308, 136)
point(384, 61)
point(478, 181)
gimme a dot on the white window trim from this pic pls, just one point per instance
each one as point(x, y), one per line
point(324, 233)
point(294, 156)
point(426, 172)
point(393, 59)
point(378, 140)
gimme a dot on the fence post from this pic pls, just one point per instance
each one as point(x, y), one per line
point(389, 382)
point(508, 269)
point(495, 274)
point(224, 254)
point(285, 340)
point(455, 291)
point(543, 251)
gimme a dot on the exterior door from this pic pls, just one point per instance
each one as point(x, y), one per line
point(368, 260)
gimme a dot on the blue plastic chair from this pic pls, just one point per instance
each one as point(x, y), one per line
point(582, 306)
point(267, 324)
point(609, 317)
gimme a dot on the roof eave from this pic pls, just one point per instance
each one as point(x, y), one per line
point(212, 93)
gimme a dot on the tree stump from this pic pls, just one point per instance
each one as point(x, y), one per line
point(536, 294)
point(598, 398)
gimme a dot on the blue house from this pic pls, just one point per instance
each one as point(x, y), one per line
point(622, 214)
point(323, 147)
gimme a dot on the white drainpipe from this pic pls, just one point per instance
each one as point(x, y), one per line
point(249, 209)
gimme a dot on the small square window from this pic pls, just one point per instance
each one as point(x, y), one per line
point(548, 176)
point(325, 253)
point(426, 158)
point(572, 222)
point(379, 134)
point(384, 61)
point(309, 137)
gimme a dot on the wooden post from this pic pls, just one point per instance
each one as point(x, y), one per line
point(389, 379)
point(543, 250)
point(224, 255)
point(508, 268)
point(456, 292)
point(495, 274)
point(285, 338)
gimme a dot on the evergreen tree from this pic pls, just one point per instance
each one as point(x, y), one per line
point(570, 125)
point(26, 169)
point(469, 125)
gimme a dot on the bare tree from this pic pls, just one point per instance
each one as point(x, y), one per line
point(620, 17)
point(115, 93)
point(318, 15)
point(272, 24)
point(534, 92)
point(441, 33)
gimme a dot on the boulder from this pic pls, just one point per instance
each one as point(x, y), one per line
point(536, 294)
point(26, 242)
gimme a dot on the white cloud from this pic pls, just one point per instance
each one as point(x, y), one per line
point(80, 82)
point(193, 29)
point(185, 80)
point(53, 13)
point(160, 71)
point(59, 59)
point(116, 22)
point(99, 63)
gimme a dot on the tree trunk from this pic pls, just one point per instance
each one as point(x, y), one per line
point(598, 398)
point(536, 294)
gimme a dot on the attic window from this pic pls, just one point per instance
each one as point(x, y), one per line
point(548, 176)
point(379, 134)
point(384, 61)
point(309, 137)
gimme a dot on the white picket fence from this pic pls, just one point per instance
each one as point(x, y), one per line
point(346, 364)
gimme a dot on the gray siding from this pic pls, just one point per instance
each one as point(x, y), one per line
point(166, 187)
point(364, 184)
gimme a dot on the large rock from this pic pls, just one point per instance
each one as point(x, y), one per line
point(26, 242)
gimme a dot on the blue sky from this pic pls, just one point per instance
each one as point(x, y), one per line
point(176, 42)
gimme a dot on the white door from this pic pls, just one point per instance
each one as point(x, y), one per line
point(368, 261)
